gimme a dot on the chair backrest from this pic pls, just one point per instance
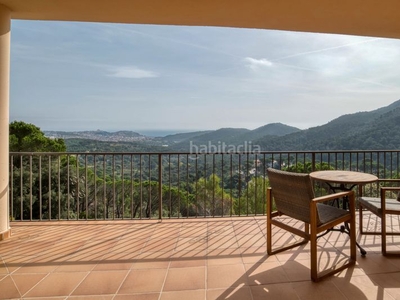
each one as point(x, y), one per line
point(292, 193)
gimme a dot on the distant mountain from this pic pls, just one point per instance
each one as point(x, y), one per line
point(374, 130)
point(179, 137)
point(216, 137)
point(233, 136)
point(273, 129)
point(227, 135)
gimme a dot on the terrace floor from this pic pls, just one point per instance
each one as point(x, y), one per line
point(183, 259)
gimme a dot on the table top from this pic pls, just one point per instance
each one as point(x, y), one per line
point(338, 176)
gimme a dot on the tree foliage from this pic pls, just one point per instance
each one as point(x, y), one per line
point(26, 137)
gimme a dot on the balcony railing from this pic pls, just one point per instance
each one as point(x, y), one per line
point(109, 186)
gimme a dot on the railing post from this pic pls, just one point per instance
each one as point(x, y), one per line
point(160, 186)
point(313, 162)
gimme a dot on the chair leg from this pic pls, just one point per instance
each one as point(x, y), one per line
point(313, 250)
point(383, 233)
point(353, 253)
point(360, 215)
point(269, 217)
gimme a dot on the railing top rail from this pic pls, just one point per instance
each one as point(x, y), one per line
point(204, 153)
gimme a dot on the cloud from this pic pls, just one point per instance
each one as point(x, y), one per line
point(132, 72)
point(254, 64)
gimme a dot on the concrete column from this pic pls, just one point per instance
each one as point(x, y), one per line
point(5, 22)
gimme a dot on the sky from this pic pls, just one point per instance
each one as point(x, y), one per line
point(73, 76)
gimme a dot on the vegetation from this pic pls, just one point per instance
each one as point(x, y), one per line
point(29, 138)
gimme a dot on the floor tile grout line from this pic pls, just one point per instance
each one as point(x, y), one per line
point(168, 268)
point(122, 282)
point(70, 294)
point(19, 292)
point(243, 264)
point(169, 263)
point(48, 274)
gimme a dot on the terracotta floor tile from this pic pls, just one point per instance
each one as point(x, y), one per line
point(189, 254)
point(297, 270)
point(376, 263)
point(325, 289)
point(238, 293)
point(166, 232)
point(219, 222)
point(128, 245)
point(158, 245)
point(116, 261)
point(37, 267)
point(221, 230)
point(193, 232)
point(188, 262)
point(360, 287)
point(248, 228)
point(3, 268)
point(191, 243)
point(150, 296)
point(33, 247)
point(283, 238)
point(57, 284)
point(15, 262)
point(298, 253)
point(8, 248)
point(192, 295)
point(265, 273)
point(152, 260)
point(97, 246)
point(228, 256)
point(25, 282)
point(96, 297)
point(75, 267)
point(47, 298)
point(8, 289)
point(85, 257)
point(133, 235)
point(224, 276)
point(222, 242)
point(249, 241)
point(283, 291)
point(63, 248)
point(257, 250)
point(185, 279)
point(143, 281)
point(100, 283)
point(389, 282)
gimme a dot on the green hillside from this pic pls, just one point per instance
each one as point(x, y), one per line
point(378, 129)
point(374, 130)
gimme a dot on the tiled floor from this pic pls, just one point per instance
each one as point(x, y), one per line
point(183, 259)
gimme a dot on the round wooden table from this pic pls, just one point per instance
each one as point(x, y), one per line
point(343, 177)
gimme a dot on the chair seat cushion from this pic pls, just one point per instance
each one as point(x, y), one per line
point(374, 205)
point(328, 213)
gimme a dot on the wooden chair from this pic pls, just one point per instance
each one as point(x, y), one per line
point(381, 207)
point(293, 195)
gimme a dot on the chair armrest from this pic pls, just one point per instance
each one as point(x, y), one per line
point(333, 196)
point(390, 188)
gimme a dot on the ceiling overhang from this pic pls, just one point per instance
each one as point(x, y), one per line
point(356, 17)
